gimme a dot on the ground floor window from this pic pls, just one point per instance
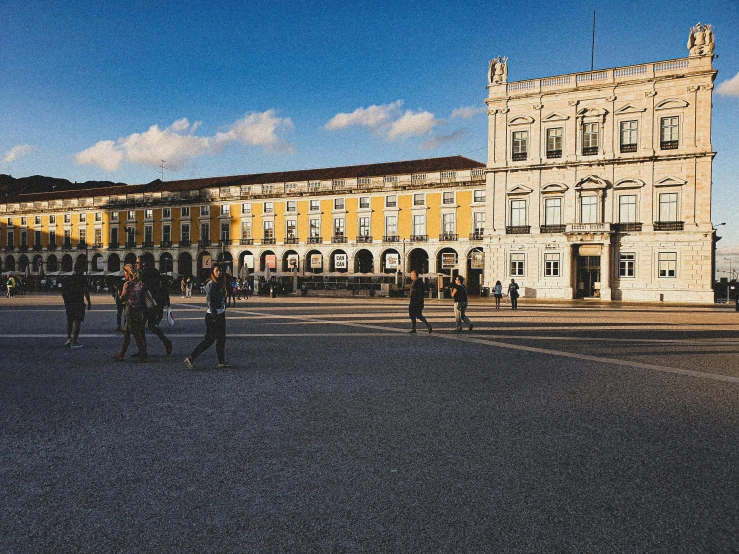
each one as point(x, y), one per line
point(667, 264)
point(626, 261)
point(517, 264)
point(551, 265)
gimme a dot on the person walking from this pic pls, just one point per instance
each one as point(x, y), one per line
point(133, 298)
point(116, 289)
point(188, 286)
point(152, 280)
point(215, 319)
point(459, 295)
point(74, 292)
point(230, 290)
point(415, 307)
point(183, 287)
point(498, 294)
point(513, 294)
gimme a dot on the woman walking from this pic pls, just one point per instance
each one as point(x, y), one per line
point(215, 319)
point(132, 297)
point(498, 293)
point(459, 295)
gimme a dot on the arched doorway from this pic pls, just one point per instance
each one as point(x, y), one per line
point(447, 264)
point(9, 263)
point(67, 263)
point(114, 263)
point(313, 262)
point(82, 260)
point(290, 261)
point(227, 259)
point(130, 259)
point(475, 265)
point(364, 262)
point(205, 263)
point(97, 263)
point(390, 261)
point(418, 259)
point(338, 262)
point(184, 264)
point(52, 264)
point(38, 263)
point(166, 264)
point(23, 263)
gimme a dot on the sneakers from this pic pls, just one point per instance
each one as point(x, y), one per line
point(68, 343)
point(76, 345)
point(412, 331)
point(471, 327)
point(429, 326)
point(190, 363)
point(224, 365)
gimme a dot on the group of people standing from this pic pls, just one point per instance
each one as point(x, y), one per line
point(460, 298)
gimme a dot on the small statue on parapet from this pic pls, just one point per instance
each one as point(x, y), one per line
point(498, 71)
point(700, 41)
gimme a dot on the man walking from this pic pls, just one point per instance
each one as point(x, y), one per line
point(74, 292)
point(513, 294)
point(152, 281)
point(415, 308)
point(459, 295)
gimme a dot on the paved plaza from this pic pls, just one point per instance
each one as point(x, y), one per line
point(559, 427)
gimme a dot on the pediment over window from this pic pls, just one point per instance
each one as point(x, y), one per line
point(519, 189)
point(670, 181)
point(592, 182)
point(671, 103)
point(554, 187)
point(629, 108)
point(521, 120)
point(554, 116)
point(592, 112)
point(629, 184)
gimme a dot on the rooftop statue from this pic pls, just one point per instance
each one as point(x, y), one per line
point(498, 71)
point(700, 41)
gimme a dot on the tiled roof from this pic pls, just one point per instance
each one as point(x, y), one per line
point(430, 165)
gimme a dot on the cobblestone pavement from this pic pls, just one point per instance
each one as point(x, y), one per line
point(559, 427)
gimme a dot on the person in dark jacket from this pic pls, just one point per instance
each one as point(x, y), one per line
point(415, 307)
point(74, 292)
point(152, 281)
point(513, 294)
point(459, 295)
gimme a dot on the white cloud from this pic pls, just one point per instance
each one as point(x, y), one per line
point(178, 144)
point(727, 251)
point(373, 117)
point(440, 140)
point(467, 112)
point(18, 152)
point(730, 87)
point(412, 124)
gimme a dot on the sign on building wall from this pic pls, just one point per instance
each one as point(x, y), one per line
point(270, 261)
point(340, 261)
point(249, 261)
point(392, 261)
point(292, 261)
point(316, 261)
point(477, 260)
point(448, 260)
point(100, 263)
point(207, 261)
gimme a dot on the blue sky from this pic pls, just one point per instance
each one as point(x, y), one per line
point(104, 90)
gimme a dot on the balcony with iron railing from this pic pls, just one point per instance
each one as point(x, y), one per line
point(51, 247)
point(165, 244)
point(391, 238)
point(518, 229)
point(315, 240)
point(23, 248)
point(131, 244)
point(669, 225)
point(97, 245)
point(247, 242)
point(364, 239)
point(589, 150)
point(552, 228)
point(269, 240)
point(66, 245)
point(291, 240)
point(626, 227)
point(551, 154)
point(113, 245)
point(588, 228)
point(82, 246)
point(669, 145)
point(184, 243)
point(338, 239)
point(477, 235)
point(9, 247)
point(447, 237)
point(419, 238)
point(628, 148)
point(37, 247)
point(204, 243)
point(147, 244)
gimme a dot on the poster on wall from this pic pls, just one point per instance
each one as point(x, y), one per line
point(292, 261)
point(316, 261)
point(207, 261)
point(270, 261)
point(448, 260)
point(99, 263)
point(392, 261)
point(477, 260)
point(249, 261)
point(340, 261)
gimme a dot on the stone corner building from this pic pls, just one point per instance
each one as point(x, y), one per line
point(599, 183)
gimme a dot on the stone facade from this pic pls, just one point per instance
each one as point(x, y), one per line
point(599, 183)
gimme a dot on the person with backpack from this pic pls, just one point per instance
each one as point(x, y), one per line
point(459, 295)
point(152, 280)
point(74, 292)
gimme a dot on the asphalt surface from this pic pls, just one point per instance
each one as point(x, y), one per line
point(560, 427)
